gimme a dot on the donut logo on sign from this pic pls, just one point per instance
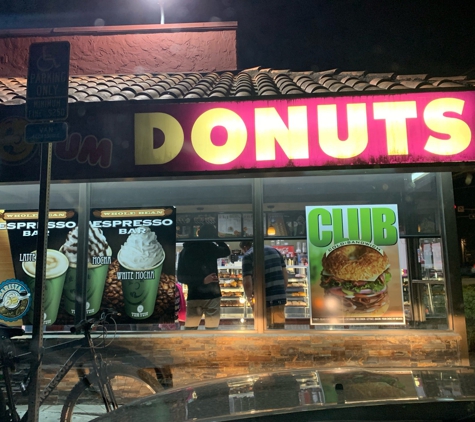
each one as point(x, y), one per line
point(14, 150)
point(15, 300)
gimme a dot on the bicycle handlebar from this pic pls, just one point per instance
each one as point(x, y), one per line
point(87, 324)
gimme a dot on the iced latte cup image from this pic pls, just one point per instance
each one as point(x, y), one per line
point(141, 260)
point(99, 258)
point(56, 266)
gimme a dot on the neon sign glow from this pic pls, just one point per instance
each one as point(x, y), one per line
point(389, 129)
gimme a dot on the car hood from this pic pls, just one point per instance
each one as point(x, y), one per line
point(350, 394)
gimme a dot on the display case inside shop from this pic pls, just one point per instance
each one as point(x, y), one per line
point(297, 292)
point(295, 257)
point(234, 303)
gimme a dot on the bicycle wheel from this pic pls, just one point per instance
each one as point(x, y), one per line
point(85, 402)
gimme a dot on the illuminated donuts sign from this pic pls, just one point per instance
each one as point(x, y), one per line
point(364, 130)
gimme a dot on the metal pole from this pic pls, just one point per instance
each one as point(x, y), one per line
point(83, 237)
point(453, 278)
point(162, 13)
point(259, 269)
point(36, 346)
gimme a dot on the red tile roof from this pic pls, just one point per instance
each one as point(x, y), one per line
point(256, 82)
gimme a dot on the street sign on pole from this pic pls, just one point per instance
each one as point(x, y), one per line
point(46, 102)
point(46, 132)
point(47, 82)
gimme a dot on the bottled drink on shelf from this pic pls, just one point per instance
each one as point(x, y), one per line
point(289, 262)
point(299, 248)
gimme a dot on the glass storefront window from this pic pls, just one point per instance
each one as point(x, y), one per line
point(414, 194)
point(225, 204)
point(26, 197)
point(228, 204)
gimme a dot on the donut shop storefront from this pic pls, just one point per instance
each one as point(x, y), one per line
point(330, 181)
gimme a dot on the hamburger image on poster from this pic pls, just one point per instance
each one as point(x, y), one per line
point(354, 262)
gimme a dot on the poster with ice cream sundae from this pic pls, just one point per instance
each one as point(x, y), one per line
point(98, 260)
point(136, 249)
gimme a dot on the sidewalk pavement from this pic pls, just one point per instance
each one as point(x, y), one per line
point(47, 413)
point(52, 413)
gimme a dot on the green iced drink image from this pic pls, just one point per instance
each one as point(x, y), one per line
point(141, 260)
point(99, 258)
point(56, 266)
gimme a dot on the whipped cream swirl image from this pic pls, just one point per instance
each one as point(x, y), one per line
point(142, 250)
point(97, 245)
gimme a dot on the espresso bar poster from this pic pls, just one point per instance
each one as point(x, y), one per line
point(132, 263)
point(18, 243)
point(355, 276)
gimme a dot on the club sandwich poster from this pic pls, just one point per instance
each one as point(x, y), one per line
point(354, 269)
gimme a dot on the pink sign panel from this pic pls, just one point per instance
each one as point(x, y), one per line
point(430, 127)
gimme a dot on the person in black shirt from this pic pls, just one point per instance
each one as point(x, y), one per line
point(198, 268)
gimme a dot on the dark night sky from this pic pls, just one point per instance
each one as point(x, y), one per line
point(418, 36)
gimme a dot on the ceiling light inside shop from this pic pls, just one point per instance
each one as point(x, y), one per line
point(271, 229)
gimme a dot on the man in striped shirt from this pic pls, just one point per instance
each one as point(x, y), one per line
point(276, 280)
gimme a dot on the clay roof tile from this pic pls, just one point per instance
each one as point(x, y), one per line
point(252, 82)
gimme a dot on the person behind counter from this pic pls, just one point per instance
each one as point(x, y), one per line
point(276, 281)
point(198, 268)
